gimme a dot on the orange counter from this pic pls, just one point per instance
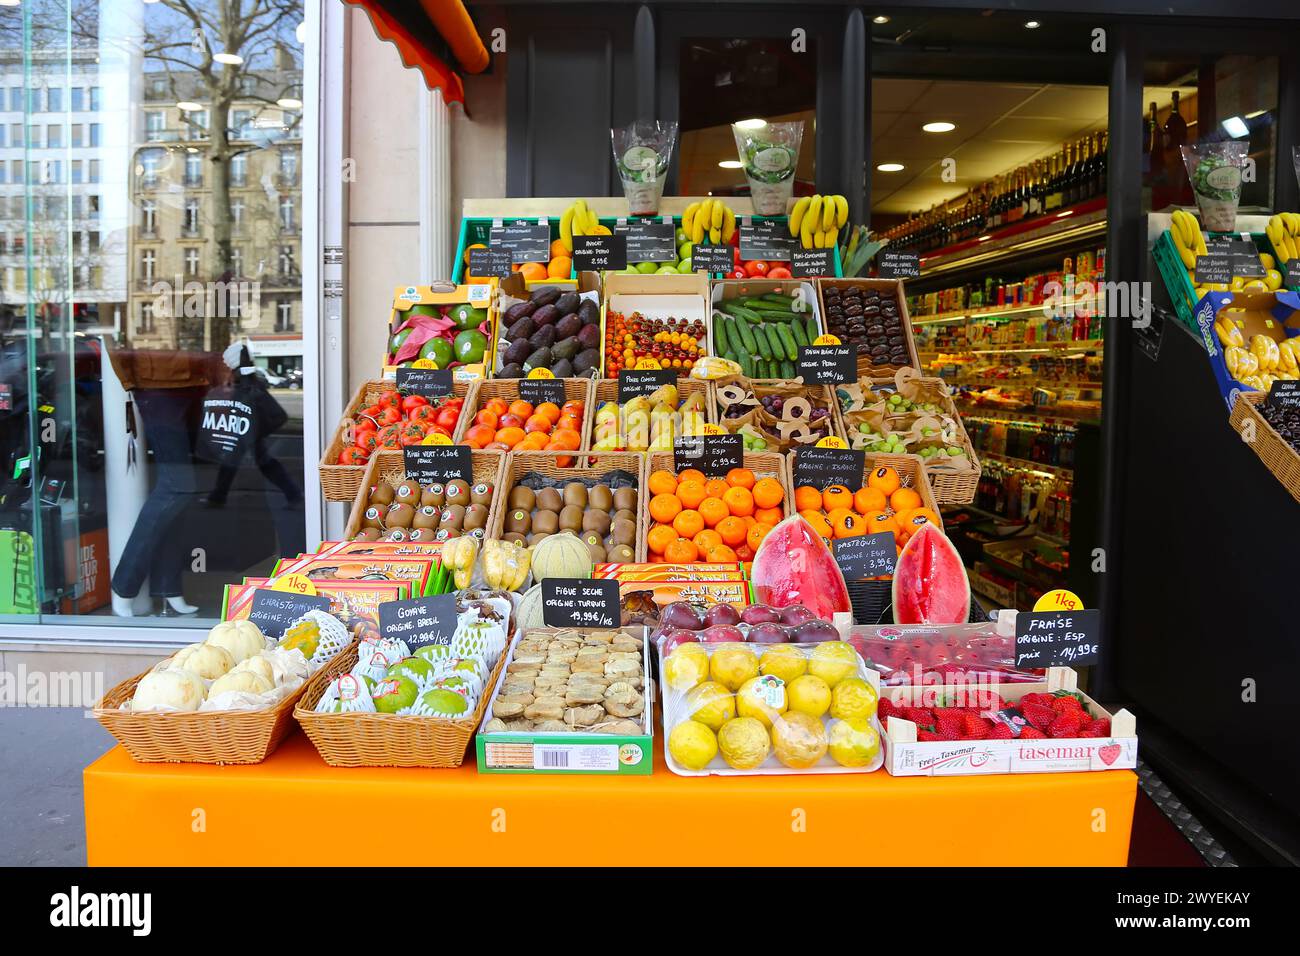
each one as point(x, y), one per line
point(295, 810)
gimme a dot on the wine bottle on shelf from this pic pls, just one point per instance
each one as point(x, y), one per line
point(1153, 147)
point(1175, 127)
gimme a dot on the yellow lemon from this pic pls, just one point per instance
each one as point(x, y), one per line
point(809, 695)
point(692, 744)
point(711, 704)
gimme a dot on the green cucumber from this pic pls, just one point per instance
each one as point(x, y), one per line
point(787, 338)
point(774, 340)
point(721, 341)
point(785, 301)
point(764, 343)
point(800, 336)
point(813, 332)
point(787, 369)
point(759, 305)
point(746, 363)
point(741, 328)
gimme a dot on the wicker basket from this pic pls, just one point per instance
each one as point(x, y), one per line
point(340, 482)
point(508, 389)
point(391, 467)
point(865, 367)
point(386, 740)
point(219, 736)
point(824, 393)
point(1273, 450)
point(589, 465)
point(606, 390)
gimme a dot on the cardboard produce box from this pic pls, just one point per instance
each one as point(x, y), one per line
point(434, 299)
point(656, 297)
point(1272, 314)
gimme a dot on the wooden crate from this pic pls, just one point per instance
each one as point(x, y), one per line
point(391, 467)
point(508, 389)
point(866, 369)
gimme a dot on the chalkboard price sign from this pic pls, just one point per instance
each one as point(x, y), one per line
point(534, 391)
point(812, 262)
point(821, 467)
point(438, 463)
point(580, 602)
point(1284, 393)
point(599, 253)
point(491, 263)
point(897, 264)
point(1214, 267)
point(525, 241)
point(274, 611)
point(419, 621)
point(1057, 638)
point(715, 260)
point(866, 555)
point(714, 455)
point(765, 239)
point(1292, 275)
point(646, 241)
point(827, 364)
point(429, 382)
point(633, 383)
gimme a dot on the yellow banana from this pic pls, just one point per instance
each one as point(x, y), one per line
point(815, 212)
point(806, 232)
point(728, 224)
point(1189, 259)
point(828, 239)
point(817, 237)
point(828, 212)
point(798, 212)
point(841, 211)
point(716, 214)
point(715, 236)
point(566, 229)
point(688, 218)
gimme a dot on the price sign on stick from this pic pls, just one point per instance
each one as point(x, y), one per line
point(580, 602)
point(1057, 638)
point(420, 621)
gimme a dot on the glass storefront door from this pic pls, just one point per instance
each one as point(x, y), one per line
point(151, 324)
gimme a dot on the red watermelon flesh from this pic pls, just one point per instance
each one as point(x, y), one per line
point(794, 566)
point(930, 583)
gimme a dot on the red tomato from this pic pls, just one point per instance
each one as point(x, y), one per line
point(390, 398)
point(389, 416)
point(352, 455)
point(371, 411)
point(756, 269)
point(447, 417)
point(422, 413)
point(438, 430)
point(778, 272)
point(412, 402)
point(411, 433)
point(367, 440)
point(737, 274)
point(388, 437)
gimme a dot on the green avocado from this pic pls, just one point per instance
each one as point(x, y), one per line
point(470, 346)
point(396, 341)
point(437, 350)
point(466, 316)
point(421, 308)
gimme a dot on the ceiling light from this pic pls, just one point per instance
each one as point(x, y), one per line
point(234, 59)
point(1255, 114)
point(890, 167)
point(188, 106)
point(288, 103)
point(1032, 24)
point(942, 126)
point(1062, 215)
point(10, 3)
point(1236, 127)
point(880, 19)
point(751, 123)
point(731, 164)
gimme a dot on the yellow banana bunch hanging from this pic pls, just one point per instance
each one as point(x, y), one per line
point(817, 220)
point(711, 219)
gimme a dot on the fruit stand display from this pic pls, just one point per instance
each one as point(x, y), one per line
point(870, 314)
point(450, 328)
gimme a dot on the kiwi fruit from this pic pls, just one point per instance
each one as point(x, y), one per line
point(407, 492)
point(625, 499)
point(597, 521)
point(519, 521)
point(481, 493)
point(623, 514)
point(373, 517)
point(453, 517)
point(600, 498)
point(381, 494)
point(546, 522)
point(571, 518)
point(479, 533)
point(575, 493)
point(445, 533)
point(623, 532)
point(514, 536)
point(434, 494)
point(476, 517)
point(549, 499)
point(535, 537)
point(426, 518)
point(366, 534)
point(597, 552)
point(458, 492)
point(398, 534)
point(400, 515)
point(620, 554)
point(422, 534)
point(522, 497)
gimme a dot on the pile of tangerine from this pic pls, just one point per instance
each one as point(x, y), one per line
point(883, 504)
point(518, 426)
point(712, 520)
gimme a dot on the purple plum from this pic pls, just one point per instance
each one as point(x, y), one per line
point(673, 638)
point(769, 632)
point(682, 614)
point(721, 634)
point(760, 614)
point(795, 614)
point(721, 614)
point(815, 632)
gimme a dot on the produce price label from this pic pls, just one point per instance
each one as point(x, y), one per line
point(632, 383)
point(429, 382)
point(525, 241)
point(599, 253)
point(1242, 255)
point(440, 463)
point(712, 259)
point(534, 391)
point(419, 621)
point(827, 364)
point(715, 455)
point(1291, 275)
point(1213, 268)
point(768, 240)
point(645, 242)
point(812, 262)
point(866, 555)
point(1057, 638)
point(273, 611)
point(899, 265)
point(820, 467)
point(491, 263)
point(580, 602)
point(1284, 393)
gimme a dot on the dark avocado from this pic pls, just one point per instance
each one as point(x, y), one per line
point(567, 303)
point(539, 359)
point(546, 296)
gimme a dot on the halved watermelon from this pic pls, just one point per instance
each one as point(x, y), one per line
point(930, 583)
point(794, 566)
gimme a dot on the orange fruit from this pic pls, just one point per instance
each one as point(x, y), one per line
point(884, 479)
point(690, 492)
point(904, 499)
point(768, 493)
point(836, 496)
point(659, 537)
point(688, 523)
point(740, 478)
point(681, 551)
point(733, 530)
point(559, 267)
point(510, 436)
point(768, 516)
point(566, 438)
point(707, 539)
point(869, 499)
point(879, 521)
point(819, 523)
point(754, 537)
point(653, 558)
point(480, 435)
point(558, 248)
point(664, 508)
point(739, 501)
point(713, 510)
point(662, 483)
point(550, 410)
point(721, 554)
point(807, 498)
point(901, 517)
point(538, 423)
point(917, 514)
point(690, 474)
point(521, 408)
point(847, 524)
point(534, 441)
point(715, 487)
point(533, 271)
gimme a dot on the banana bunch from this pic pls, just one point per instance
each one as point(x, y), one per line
point(817, 220)
point(709, 219)
point(1229, 335)
point(458, 554)
point(1283, 230)
point(578, 220)
point(1188, 239)
point(1263, 363)
point(505, 564)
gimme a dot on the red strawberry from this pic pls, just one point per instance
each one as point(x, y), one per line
point(1031, 733)
point(1097, 728)
point(1068, 703)
point(927, 735)
point(949, 713)
point(948, 728)
point(1067, 725)
point(884, 708)
point(920, 716)
point(973, 725)
point(1000, 731)
point(1037, 699)
point(1038, 715)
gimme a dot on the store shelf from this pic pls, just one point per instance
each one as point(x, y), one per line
point(971, 410)
point(1055, 470)
point(991, 313)
point(1083, 345)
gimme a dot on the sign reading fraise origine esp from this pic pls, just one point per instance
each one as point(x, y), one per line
point(419, 621)
point(1057, 638)
point(580, 602)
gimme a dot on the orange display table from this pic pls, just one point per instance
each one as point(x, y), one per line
point(296, 810)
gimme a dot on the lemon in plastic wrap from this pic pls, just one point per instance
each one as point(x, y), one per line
point(833, 661)
point(732, 664)
point(692, 744)
point(711, 704)
point(854, 743)
point(853, 699)
point(762, 698)
point(809, 695)
point(744, 743)
point(784, 661)
point(798, 740)
point(686, 666)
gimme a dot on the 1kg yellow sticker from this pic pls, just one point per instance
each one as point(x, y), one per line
point(424, 363)
point(831, 441)
point(294, 584)
point(826, 340)
point(1059, 599)
point(647, 363)
point(540, 372)
point(711, 429)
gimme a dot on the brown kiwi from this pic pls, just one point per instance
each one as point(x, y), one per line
point(422, 534)
point(571, 518)
point(373, 516)
point(620, 554)
point(625, 515)
point(546, 522)
point(475, 517)
point(408, 492)
point(381, 494)
point(625, 499)
point(549, 499)
point(400, 515)
point(434, 495)
point(481, 493)
point(514, 536)
point(522, 497)
point(623, 532)
point(445, 533)
point(518, 520)
point(575, 493)
point(427, 517)
point(535, 537)
point(600, 498)
point(397, 534)
point(458, 492)
point(453, 516)
point(597, 521)
point(597, 552)
point(366, 534)
point(479, 533)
